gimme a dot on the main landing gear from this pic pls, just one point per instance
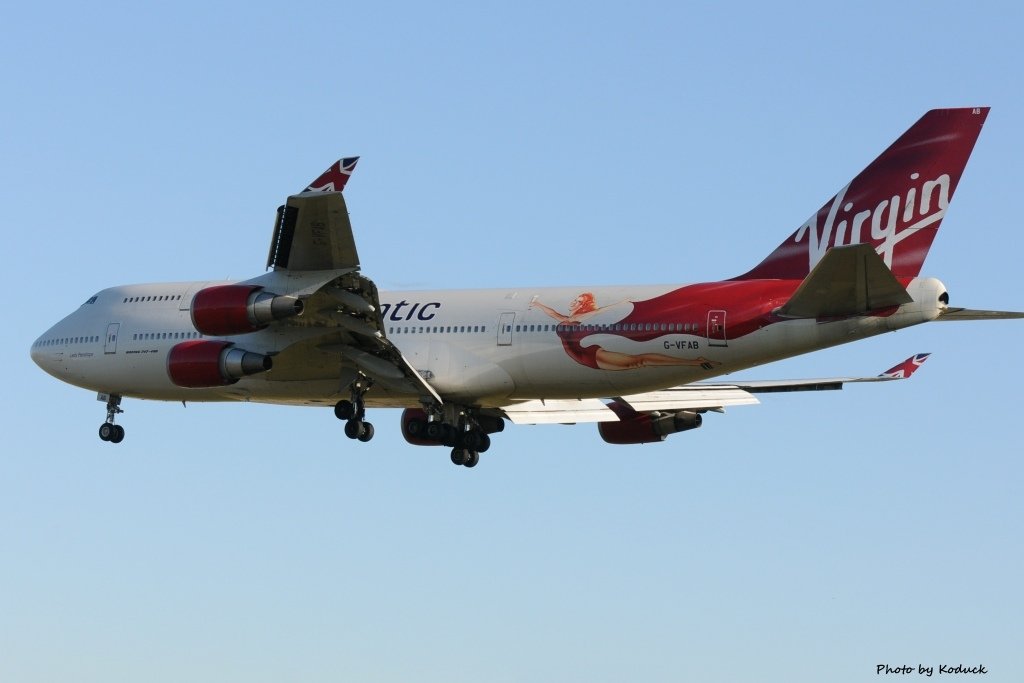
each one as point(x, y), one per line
point(468, 447)
point(354, 412)
point(109, 431)
point(465, 457)
point(459, 428)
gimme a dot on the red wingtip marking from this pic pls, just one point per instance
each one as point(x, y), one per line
point(335, 177)
point(907, 367)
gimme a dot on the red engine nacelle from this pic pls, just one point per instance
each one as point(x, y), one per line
point(634, 427)
point(414, 427)
point(207, 363)
point(237, 309)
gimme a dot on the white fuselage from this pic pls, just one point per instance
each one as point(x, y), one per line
point(474, 347)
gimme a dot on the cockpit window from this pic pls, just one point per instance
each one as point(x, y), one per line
point(92, 300)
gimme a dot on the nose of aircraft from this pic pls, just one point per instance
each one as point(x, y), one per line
point(44, 353)
point(36, 352)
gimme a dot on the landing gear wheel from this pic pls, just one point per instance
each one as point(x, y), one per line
point(118, 436)
point(344, 410)
point(472, 459)
point(367, 432)
point(435, 430)
point(353, 429)
point(416, 428)
point(459, 456)
point(107, 431)
point(476, 441)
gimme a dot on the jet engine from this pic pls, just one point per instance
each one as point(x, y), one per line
point(238, 309)
point(414, 428)
point(634, 427)
point(208, 363)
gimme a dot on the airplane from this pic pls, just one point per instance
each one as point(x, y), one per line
point(315, 331)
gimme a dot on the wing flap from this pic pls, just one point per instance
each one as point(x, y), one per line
point(559, 411)
point(695, 398)
point(849, 280)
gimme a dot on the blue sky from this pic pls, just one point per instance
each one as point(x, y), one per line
point(809, 538)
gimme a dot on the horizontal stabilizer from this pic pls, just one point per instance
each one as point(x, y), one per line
point(971, 314)
point(849, 280)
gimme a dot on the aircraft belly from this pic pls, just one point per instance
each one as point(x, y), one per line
point(460, 373)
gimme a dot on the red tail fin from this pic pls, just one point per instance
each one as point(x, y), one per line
point(896, 204)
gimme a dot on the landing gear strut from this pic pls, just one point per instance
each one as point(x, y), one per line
point(109, 431)
point(353, 412)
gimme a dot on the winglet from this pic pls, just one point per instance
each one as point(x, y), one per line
point(907, 367)
point(335, 177)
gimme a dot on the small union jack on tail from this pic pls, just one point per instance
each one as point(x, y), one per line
point(907, 367)
point(335, 177)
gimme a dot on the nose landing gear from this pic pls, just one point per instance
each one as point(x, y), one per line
point(109, 431)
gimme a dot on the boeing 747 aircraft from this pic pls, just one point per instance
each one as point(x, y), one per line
point(315, 330)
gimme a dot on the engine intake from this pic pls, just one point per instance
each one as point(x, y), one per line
point(634, 427)
point(207, 363)
point(238, 309)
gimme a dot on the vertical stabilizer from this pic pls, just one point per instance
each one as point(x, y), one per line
point(896, 204)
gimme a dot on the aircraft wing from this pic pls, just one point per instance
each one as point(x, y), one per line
point(700, 397)
point(312, 230)
point(313, 249)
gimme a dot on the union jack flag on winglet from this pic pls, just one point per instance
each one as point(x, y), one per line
point(335, 177)
point(907, 367)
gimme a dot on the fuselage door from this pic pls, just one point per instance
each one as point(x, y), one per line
point(716, 329)
point(505, 329)
point(110, 345)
